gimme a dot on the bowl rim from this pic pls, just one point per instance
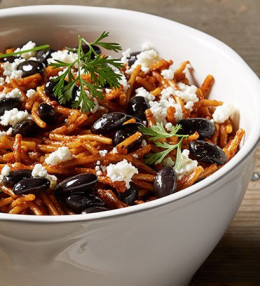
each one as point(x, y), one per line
point(248, 148)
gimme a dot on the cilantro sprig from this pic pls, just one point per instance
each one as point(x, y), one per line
point(101, 69)
point(158, 132)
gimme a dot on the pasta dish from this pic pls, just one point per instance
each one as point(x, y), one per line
point(82, 132)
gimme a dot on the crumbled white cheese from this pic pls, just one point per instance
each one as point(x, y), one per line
point(167, 93)
point(102, 153)
point(9, 131)
point(10, 70)
point(145, 59)
point(189, 105)
point(135, 156)
point(166, 101)
point(16, 74)
point(168, 162)
point(125, 56)
point(159, 108)
point(62, 154)
point(98, 171)
point(64, 56)
point(122, 81)
point(108, 90)
point(39, 171)
point(96, 106)
point(122, 171)
point(168, 126)
point(99, 168)
point(103, 168)
point(14, 93)
point(187, 164)
point(144, 93)
point(168, 74)
point(30, 45)
point(223, 112)
point(13, 116)
point(53, 77)
point(143, 143)
point(114, 151)
point(95, 101)
point(188, 94)
point(30, 93)
point(6, 170)
point(2, 80)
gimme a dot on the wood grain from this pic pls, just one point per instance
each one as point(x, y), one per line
point(236, 259)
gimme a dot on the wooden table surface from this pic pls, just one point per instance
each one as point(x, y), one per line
point(236, 259)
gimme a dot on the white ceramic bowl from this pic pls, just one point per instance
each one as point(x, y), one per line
point(158, 243)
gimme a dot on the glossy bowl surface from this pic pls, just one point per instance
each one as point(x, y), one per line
point(157, 243)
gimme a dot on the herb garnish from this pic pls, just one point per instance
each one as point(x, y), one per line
point(157, 132)
point(35, 49)
point(100, 68)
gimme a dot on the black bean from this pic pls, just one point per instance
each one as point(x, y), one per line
point(204, 127)
point(207, 152)
point(94, 209)
point(31, 186)
point(9, 104)
point(26, 128)
point(132, 58)
point(43, 55)
point(16, 176)
point(85, 49)
point(9, 59)
point(79, 202)
point(46, 113)
point(49, 90)
point(165, 182)
point(129, 196)
point(137, 106)
point(30, 67)
point(82, 183)
point(106, 85)
point(108, 122)
point(125, 131)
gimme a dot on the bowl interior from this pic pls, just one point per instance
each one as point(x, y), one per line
point(59, 27)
